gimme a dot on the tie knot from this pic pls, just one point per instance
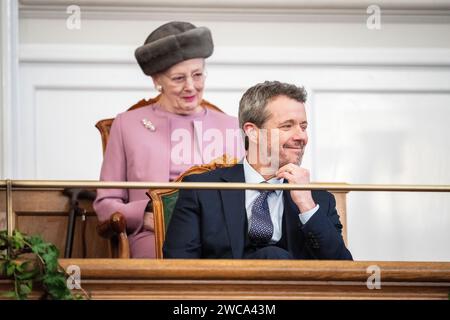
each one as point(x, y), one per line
point(265, 192)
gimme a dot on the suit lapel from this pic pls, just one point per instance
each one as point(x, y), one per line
point(233, 202)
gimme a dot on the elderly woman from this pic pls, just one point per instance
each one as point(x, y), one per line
point(160, 141)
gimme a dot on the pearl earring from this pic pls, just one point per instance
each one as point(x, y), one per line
point(159, 88)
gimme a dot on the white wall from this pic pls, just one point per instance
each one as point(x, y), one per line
point(379, 100)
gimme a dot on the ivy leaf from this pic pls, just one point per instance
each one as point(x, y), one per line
point(24, 266)
point(39, 248)
point(25, 288)
point(3, 268)
point(3, 240)
point(35, 240)
point(51, 261)
point(56, 282)
point(17, 240)
point(10, 268)
point(51, 275)
point(27, 275)
point(57, 286)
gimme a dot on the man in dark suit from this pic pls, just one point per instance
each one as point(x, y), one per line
point(257, 224)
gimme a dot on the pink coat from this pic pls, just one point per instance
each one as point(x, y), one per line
point(136, 153)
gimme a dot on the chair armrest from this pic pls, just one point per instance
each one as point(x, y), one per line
point(116, 224)
point(115, 229)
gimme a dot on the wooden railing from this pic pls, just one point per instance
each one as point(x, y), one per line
point(263, 279)
point(221, 279)
point(38, 184)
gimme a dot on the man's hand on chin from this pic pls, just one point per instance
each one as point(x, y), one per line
point(297, 175)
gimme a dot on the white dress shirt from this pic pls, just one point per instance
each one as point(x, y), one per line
point(274, 200)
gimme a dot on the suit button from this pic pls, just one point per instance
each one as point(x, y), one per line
point(313, 241)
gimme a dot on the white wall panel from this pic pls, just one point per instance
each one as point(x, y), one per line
point(68, 146)
point(388, 138)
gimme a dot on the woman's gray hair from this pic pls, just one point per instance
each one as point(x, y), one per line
point(252, 107)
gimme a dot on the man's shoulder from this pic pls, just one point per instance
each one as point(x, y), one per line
point(322, 195)
point(211, 176)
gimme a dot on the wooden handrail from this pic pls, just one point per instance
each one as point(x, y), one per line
point(204, 269)
point(34, 184)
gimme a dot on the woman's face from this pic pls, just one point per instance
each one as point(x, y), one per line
point(182, 86)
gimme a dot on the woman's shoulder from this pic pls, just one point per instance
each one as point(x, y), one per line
point(221, 116)
point(135, 113)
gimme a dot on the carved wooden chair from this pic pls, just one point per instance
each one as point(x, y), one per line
point(164, 200)
point(114, 229)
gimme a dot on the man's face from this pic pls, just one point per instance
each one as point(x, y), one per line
point(287, 124)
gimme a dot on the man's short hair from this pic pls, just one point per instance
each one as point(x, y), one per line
point(252, 107)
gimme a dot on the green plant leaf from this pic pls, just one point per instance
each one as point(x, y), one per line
point(51, 261)
point(27, 275)
point(24, 266)
point(3, 240)
point(17, 240)
point(25, 288)
point(42, 268)
point(3, 268)
point(10, 268)
point(39, 248)
point(57, 286)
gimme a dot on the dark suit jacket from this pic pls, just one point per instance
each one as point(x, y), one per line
point(212, 224)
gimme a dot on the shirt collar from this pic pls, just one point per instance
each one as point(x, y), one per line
point(253, 176)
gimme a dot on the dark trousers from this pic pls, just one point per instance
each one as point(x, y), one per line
point(268, 252)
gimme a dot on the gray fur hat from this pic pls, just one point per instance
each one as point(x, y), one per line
point(172, 43)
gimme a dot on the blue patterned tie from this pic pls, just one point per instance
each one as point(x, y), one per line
point(261, 227)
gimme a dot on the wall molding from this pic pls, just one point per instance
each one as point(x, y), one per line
point(9, 84)
point(438, 57)
point(94, 68)
point(236, 10)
